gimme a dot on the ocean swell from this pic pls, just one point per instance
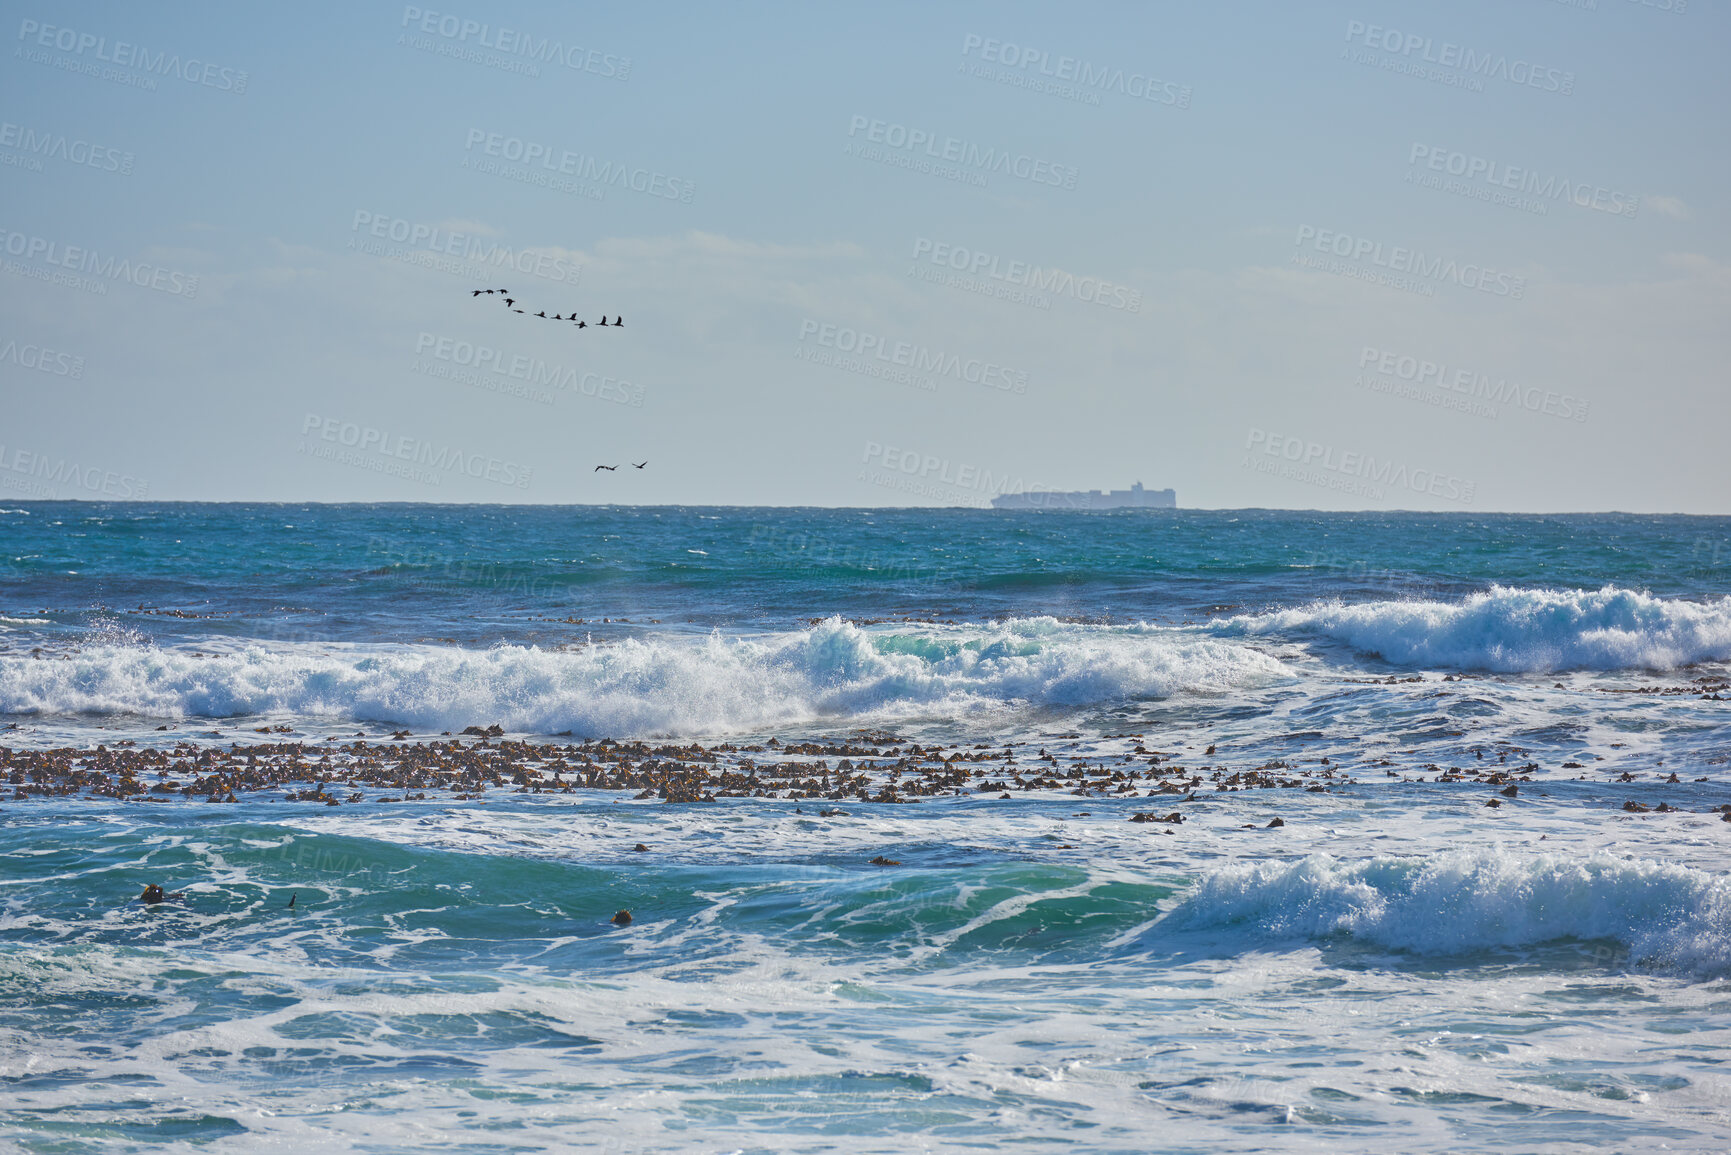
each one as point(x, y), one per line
point(835, 671)
point(1669, 916)
point(1516, 630)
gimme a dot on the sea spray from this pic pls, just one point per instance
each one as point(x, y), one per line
point(1670, 917)
point(833, 671)
point(1515, 630)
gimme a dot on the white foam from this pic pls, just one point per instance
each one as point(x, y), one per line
point(834, 671)
point(1517, 630)
point(1672, 916)
point(4, 620)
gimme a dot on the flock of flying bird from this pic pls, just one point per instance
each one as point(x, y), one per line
point(511, 304)
point(617, 323)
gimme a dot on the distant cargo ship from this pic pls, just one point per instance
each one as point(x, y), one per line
point(1133, 498)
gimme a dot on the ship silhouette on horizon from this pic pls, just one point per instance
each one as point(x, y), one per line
point(1133, 498)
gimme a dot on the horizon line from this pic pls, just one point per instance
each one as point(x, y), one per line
point(1162, 510)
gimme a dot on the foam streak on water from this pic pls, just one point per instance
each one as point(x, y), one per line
point(1398, 966)
point(455, 969)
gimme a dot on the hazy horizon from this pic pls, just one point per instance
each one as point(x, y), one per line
point(1362, 256)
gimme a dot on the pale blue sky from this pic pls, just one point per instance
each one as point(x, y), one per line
point(1286, 122)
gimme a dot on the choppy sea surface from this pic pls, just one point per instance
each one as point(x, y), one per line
point(1397, 967)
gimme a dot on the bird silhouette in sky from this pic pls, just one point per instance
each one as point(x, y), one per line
point(608, 468)
point(511, 304)
point(634, 465)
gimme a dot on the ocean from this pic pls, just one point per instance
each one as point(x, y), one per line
point(1448, 869)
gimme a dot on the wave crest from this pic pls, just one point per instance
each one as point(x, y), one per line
point(834, 671)
point(1517, 631)
point(1670, 916)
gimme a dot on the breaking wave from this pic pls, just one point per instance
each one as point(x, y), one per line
point(1517, 630)
point(1669, 916)
point(834, 671)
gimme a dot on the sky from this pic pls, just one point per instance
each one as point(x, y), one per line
point(1371, 255)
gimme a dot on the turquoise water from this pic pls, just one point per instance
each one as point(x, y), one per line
point(1398, 967)
point(393, 572)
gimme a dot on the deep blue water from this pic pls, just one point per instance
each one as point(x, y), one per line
point(400, 572)
point(1399, 966)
